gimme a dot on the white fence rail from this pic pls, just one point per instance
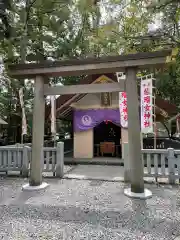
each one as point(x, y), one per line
point(18, 157)
point(155, 162)
point(161, 163)
point(158, 163)
point(10, 159)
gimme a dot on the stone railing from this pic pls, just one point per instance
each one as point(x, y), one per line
point(158, 163)
point(161, 163)
point(14, 159)
point(17, 158)
point(68, 144)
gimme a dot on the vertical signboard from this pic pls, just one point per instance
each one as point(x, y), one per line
point(122, 102)
point(147, 106)
point(123, 109)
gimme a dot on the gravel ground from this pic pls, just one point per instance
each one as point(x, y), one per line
point(81, 209)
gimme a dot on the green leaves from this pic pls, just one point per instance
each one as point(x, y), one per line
point(64, 29)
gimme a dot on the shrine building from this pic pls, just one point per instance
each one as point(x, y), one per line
point(95, 118)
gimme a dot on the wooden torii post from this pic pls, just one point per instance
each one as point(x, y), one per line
point(129, 64)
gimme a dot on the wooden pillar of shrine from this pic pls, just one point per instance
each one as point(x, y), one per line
point(134, 139)
point(36, 164)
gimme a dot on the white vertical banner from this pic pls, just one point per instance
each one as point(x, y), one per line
point(53, 114)
point(122, 102)
point(24, 123)
point(123, 109)
point(147, 105)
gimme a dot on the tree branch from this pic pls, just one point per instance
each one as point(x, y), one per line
point(28, 9)
point(155, 7)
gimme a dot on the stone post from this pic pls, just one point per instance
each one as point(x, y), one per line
point(35, 182)
point(171, 169)
point(60, 160)
point(127, 171)
point(25, 162)
point(134, 139)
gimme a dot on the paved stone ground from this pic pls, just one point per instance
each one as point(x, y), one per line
point(96, 172)
point(83, 209)
point(101, 172)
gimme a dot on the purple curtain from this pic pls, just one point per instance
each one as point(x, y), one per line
point(87, 119)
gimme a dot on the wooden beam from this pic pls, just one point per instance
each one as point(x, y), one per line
point(90, 66)
point(84, 88)
point(77, 70)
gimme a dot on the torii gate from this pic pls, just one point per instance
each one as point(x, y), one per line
point(129, 64)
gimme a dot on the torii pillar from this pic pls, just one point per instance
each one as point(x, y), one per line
point(134, 141)
point(35, 181)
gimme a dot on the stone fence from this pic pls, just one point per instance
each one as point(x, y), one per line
point(158, 163)
point(17, 158)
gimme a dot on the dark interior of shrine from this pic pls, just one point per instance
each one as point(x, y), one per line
point(107, 132)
